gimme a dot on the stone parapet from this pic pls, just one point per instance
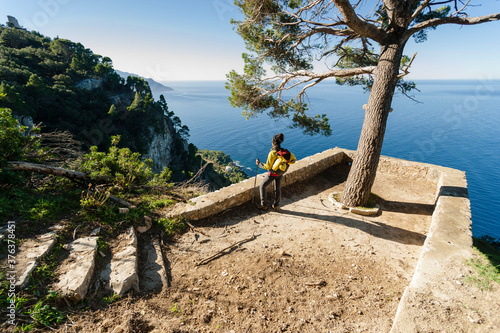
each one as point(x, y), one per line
point(306, 168)
point(237, 194)
point(447, 247)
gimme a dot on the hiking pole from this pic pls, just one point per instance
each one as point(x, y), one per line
point(255, 184)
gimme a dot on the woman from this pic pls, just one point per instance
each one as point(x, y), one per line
point(277, 165)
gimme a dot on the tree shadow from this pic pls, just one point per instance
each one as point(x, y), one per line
point(376, 229)
point(406, 207)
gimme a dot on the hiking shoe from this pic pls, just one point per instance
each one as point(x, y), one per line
point(263, 207)
point(276, 208)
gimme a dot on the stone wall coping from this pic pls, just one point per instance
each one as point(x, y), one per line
point(448, 244)
point(237, 194)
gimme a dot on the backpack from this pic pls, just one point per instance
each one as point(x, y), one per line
point(281, 164)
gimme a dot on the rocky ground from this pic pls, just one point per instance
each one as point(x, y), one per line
point(309, 267)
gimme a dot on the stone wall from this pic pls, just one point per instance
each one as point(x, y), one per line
point(446, 180)
point(237, 194)
point(446, 248)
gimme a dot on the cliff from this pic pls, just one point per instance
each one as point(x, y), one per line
point(166, 148)
point(66, 87)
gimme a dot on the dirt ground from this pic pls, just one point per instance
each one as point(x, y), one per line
point(307, 268)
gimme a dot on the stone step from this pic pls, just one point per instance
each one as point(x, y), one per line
point(76, 270)
point(29, 254)
point(121, 273)
point(75, 273)
point(154, 276)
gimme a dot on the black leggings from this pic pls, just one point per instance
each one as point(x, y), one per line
point(277, 189)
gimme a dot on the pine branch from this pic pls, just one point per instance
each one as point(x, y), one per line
point(419, 9)
point(452, 20)
point(358, 25)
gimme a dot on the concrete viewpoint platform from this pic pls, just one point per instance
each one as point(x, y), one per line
point(447, 245)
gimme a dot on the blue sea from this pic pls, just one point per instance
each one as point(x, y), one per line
point(454, 124)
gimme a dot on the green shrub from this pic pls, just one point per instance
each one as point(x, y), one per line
point(486, 263)
point(162, 179)
point(15, 146)
point(93, 201)
point(172, 226)
point(119, 165)
point(94, 205)
point(12, 139)
point(111, 299)
point(46, 315)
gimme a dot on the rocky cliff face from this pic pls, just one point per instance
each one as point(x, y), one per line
point(154, 134)
point(166, 148)
point(89, 84)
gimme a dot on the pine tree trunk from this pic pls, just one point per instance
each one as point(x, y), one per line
point(364, 167)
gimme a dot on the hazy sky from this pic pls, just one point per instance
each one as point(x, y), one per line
point(193, 39)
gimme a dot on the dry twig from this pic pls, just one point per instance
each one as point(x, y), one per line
point(321, 283)
point(226, 250)
point(196, 229)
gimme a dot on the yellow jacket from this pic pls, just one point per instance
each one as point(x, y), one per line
point(271, 160)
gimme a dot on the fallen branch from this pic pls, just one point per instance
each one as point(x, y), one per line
point(73, 175)
point(48, 170)
point(200, 171)
point(195, 229)
point(116, 199)
point(55, 171)
point(122, 202)
point(321, 283)
point(74, 232)
point(229, 249)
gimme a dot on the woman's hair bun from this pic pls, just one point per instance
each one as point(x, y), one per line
point(278, 138)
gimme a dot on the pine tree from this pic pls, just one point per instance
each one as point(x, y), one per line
point(359, 45)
